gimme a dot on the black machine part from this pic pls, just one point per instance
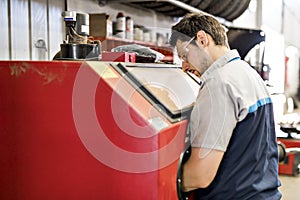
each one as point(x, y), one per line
point(244, 39)
point(82, 24)
point(77, 45)
point(281, 151)
point(185, 155)
point(81, 51)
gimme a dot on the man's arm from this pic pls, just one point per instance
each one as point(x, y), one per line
point(201, 168)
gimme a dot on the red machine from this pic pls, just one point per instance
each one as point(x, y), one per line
point(91, 130)
point(290, 165)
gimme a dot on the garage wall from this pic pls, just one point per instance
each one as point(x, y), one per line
point(140, 16)
point(25, 26)
point(4, 34)
point(33, 29)
point(291, 25)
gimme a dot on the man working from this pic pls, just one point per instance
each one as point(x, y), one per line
point(234, 148)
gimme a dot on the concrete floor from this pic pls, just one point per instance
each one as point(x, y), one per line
point(290, 188)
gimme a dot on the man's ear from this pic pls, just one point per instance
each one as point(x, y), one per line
point(202, 39)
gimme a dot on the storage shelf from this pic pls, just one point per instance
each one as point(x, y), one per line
point(108, 43)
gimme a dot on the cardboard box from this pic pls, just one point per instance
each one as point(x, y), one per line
point(100, 25)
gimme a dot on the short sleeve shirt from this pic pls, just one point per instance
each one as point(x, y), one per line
point(224, 99)
point(233, 113)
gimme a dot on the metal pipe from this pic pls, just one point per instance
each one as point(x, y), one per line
point(258, 16)
point(184, 6)
point(174, 2)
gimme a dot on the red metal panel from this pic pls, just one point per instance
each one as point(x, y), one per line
point(42, 155)
point(118, 56)
point(289, 143)
point(287, 167)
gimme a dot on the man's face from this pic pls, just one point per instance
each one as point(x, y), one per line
point(196, 56)
point(183, 49)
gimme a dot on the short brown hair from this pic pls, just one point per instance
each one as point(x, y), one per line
point(189, 26)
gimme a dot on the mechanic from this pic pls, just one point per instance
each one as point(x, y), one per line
point(234, 148)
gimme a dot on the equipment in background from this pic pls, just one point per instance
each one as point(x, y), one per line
point(250, 43)
point(78, 45)
point(290, 165)
point(281, 151)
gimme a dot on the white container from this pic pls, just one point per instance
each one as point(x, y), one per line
point(138, 34)
point(121, 26)
point(129, 28)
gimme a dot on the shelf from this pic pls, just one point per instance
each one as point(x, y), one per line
point(109, 43)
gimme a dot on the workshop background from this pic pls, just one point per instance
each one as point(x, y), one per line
point(34, 29)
